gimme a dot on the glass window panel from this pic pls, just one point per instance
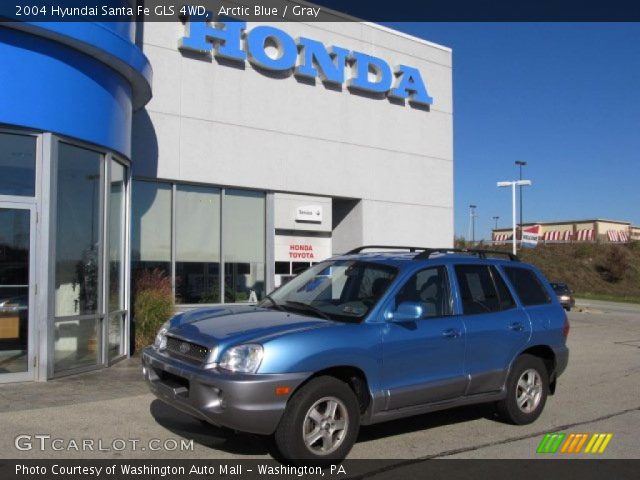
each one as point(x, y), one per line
point(116, 335)
point(17, 164)
point(77, 231)
point(429, 288)
point(244, 242)
point(116, 235)
point(528, 286)
point(477, 289)
point(14, 290)
point(506, 300)
point(299, 267)
point(283, 268)
point(150, 229)
point(197, 244)
point(151, 222)
point(76, 343)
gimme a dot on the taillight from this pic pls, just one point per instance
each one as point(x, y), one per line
point(566, 326)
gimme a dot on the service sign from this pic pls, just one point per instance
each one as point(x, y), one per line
point(306, 58)
point(309, 213)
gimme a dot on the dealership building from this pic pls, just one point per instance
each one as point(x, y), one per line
point(228, 156)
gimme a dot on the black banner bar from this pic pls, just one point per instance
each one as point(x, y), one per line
point(322, 10)
point(84, 469)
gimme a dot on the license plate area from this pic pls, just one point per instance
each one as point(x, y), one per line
point(177, 384)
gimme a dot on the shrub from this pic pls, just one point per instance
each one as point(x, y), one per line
point(460, 242)
point(153, 305)
point(615, 264)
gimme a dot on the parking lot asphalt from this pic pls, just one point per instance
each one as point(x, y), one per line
point(599, 393)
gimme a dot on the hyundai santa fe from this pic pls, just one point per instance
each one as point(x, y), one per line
point(367, 337)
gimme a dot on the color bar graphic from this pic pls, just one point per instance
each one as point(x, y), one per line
point(574, 442)
point(550, 443)
point(598, 443)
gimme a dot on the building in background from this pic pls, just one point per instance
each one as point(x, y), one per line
point(230, 175)
point(244, 174)
point(600, 230)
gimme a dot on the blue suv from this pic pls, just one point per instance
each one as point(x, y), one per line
point(367, 337)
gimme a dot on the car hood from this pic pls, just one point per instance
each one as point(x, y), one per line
point(231, 325)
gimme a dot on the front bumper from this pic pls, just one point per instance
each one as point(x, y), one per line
point(243, 402)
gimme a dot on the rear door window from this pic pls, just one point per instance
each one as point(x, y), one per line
point(506, 300)
point(477, 290)
point(528, 286)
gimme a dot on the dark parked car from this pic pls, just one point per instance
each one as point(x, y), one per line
point(364, 338)
point(565, 295)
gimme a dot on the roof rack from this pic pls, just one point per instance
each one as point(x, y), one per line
point(385, 247)
point(427, 252)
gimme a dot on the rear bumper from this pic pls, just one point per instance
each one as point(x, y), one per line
point(562, 359)
point(247, 403)
point(568, 303)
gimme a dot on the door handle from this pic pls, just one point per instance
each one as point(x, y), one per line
point(451, 333)
point(516, 327)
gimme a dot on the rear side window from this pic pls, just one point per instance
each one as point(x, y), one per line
point(527, 285)
point(478, 290)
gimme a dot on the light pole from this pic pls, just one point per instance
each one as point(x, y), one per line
point(513, 185)
point(496, 218)
point(520, 164)
point(472, 217)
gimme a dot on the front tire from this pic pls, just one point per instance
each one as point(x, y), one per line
point(320, 424)
point(527, 390)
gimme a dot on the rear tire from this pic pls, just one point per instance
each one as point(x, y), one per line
point(320, 424)
point(527, 390)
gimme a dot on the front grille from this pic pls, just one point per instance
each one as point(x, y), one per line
point(189, 350)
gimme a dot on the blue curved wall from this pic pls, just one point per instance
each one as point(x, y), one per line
point(83, 80)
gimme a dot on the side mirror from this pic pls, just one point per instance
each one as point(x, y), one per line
point(407, 312)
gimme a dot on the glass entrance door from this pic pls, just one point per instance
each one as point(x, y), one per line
point(16, 292)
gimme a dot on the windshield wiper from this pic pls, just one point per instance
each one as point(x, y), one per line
point(306, 306)
point(275, 304)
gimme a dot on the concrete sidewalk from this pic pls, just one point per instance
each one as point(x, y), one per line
point(122, 380)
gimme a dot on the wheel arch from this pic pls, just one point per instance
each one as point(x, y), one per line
point(353, 376)
point(548, 356)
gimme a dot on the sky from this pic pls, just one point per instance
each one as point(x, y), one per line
point(565, 98)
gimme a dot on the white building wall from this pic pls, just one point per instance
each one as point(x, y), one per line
point(233, 125)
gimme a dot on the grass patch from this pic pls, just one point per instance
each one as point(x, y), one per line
point(607, 298)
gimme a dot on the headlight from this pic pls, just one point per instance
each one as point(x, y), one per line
point(242, 359)
point(161, 337)
point(564, 298)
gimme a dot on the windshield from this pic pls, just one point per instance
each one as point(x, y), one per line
point(560, 287)
point(341, 290)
